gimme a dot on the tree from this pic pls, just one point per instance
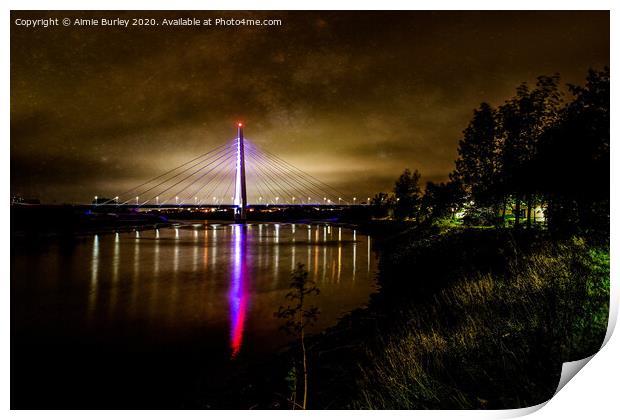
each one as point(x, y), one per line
point(408, 194)
point(573, 159)
point(381, 204)
point(478, 164)
point(523, 120)
point(298, 316)
point(443, 199)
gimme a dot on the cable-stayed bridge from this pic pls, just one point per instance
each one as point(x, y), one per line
point(235, 175)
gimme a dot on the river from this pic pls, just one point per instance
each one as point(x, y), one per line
point(154, 318)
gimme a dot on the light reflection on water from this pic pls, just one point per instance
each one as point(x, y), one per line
point(193, 283)
point(238, 295)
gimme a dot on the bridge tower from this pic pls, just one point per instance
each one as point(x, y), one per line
point(241, 199)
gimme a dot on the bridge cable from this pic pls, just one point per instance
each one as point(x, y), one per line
point(195, 194)
point(276, 183)
point(227, 154)
point(202, 176)
point(265, 181)
point(168, 172)
point(304, 184)
point(308, 183)
point(300, 171)
point(296, 188)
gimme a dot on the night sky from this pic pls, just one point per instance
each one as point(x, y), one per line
point(350, 97)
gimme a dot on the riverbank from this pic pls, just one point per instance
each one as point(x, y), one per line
point(465, 318)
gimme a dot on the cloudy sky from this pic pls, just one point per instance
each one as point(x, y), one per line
point(350, 97)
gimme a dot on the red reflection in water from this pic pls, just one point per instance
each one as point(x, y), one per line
point(238, 296)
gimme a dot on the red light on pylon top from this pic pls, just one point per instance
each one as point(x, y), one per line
point(239, 125)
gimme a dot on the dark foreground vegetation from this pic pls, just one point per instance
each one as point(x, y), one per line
point(471, 318)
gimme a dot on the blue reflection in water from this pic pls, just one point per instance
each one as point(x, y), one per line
point(238, 296)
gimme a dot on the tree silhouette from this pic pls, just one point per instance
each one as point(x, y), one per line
point(573, 159)
point(408, 194)
point(478, 165)
point(523, 119)
point(381, 203)
point(442, 200)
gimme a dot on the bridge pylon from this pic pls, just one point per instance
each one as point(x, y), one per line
point(241, 198)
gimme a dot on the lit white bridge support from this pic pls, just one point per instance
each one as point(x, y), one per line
point(241, 196)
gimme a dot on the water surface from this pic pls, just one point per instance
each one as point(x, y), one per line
point(198, 293)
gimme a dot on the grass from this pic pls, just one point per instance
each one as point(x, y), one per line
point(474, 319)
